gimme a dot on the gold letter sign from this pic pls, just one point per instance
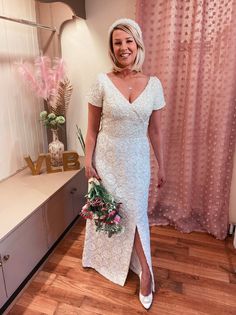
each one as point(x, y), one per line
point(70, 162)
point(35, 167)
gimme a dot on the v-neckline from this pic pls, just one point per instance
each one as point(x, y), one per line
point(116, 88)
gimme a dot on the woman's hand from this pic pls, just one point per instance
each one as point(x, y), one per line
point(161, 177)
point(90, 171)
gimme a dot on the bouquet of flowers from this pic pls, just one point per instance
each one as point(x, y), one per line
point(102, 209)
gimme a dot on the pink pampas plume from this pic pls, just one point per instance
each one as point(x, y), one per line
point(25, 71)
point(44, 74)
point(44, 79)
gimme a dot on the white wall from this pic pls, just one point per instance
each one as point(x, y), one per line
point(85, 50)
point(20, 130)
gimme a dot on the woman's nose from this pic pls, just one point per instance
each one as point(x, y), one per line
point(123, 45)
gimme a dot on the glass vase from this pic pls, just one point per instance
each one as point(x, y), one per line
point(56, 149)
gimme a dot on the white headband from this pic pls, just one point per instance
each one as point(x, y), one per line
point(126, 21)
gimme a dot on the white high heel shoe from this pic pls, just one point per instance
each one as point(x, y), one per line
point(146, 300)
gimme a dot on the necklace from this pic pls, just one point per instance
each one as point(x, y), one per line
point(129, 87)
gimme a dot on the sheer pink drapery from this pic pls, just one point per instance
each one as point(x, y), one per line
point(191, 47)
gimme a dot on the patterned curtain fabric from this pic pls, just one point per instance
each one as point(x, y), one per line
point(191, 47)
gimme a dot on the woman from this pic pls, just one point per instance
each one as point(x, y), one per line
point(127, 104)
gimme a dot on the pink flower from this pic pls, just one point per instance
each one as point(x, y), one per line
point(112, 213)
point(97, 202)
point(85, 207)
point(86, 214)
point(117, 219)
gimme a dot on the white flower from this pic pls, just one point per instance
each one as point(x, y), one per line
point(43, 114)
point(60, 120)
point(95, 180)
point(51, 116)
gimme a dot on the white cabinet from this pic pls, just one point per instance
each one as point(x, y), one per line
point(30, 223)
point(22, 250)
point(3, 295)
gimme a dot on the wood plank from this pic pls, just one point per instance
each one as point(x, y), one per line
point(173, 303)
point(18, 309)
point(88, 289)
point(207, 294)
point(192, 269)
point(67, 309)
point(196, 237)
point(219, 256)
point(37, 303)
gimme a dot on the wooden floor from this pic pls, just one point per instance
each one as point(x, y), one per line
point(194, 274)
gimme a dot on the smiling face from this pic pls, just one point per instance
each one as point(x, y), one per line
point(124, 48)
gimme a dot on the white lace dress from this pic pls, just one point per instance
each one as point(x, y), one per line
point(123, 163)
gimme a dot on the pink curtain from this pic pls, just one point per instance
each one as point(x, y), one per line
point(191, 47)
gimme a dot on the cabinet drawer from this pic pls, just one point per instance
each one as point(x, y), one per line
point(3, 296)
point(22, 250)
point(58, 214)
point(78, 188)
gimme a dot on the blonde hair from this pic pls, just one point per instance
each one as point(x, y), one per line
point(131, 27)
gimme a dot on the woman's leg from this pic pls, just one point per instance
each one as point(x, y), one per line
point(146, 275)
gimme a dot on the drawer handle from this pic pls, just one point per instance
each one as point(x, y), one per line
point(73, 190)
point(6, 257)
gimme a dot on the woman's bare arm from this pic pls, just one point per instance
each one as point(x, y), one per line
point(155, 136)
point(94, 118)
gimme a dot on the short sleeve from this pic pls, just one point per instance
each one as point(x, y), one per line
point(159, 99)
point(95, 93)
